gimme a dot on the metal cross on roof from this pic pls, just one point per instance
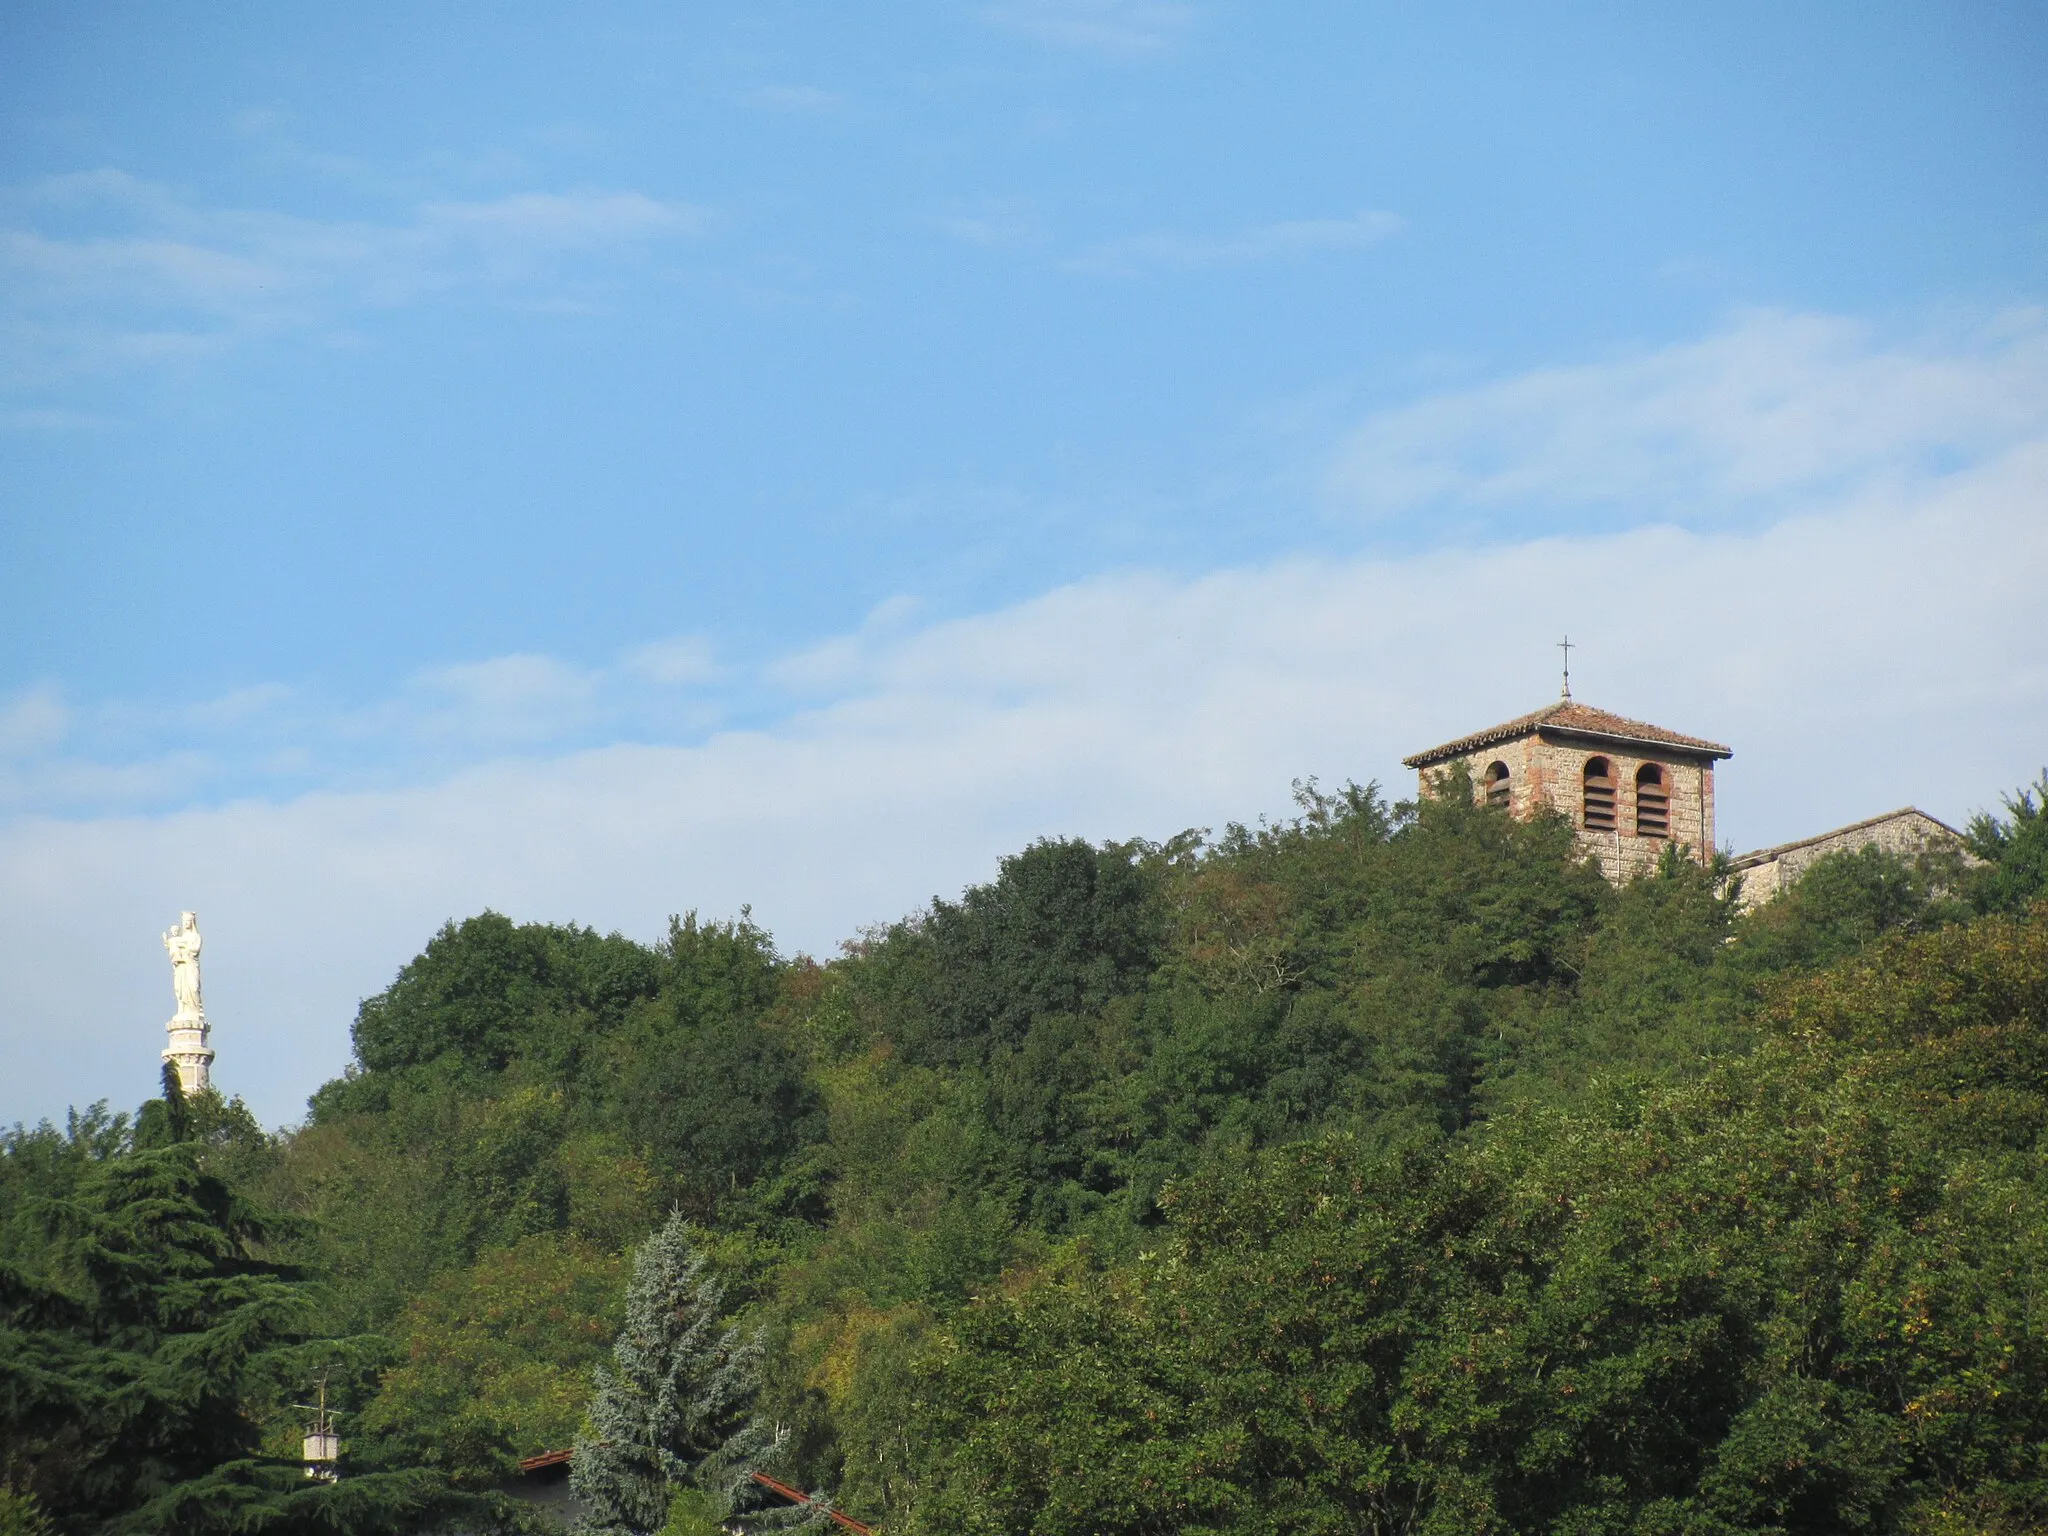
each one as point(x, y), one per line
point(1565, 645)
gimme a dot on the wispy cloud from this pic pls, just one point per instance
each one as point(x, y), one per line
point(679, 662)
point(1262, 242)
point(1116, 28)
point(804, 100)
point(847, 661)
point(995, 222)
point(102, 270)
point(59, 757)
point(1779, 415)
point(1777, 406)
point(538, 223)
point(507, 701)
point(32, 723)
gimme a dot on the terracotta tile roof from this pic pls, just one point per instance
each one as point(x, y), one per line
point(797, 1495)
point(1571, 718)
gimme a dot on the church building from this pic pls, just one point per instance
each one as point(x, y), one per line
point(1628, 787)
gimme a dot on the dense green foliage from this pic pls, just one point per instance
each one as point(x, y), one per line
point(1380, 1169)
point(498, 1353)
point(1798, 1294)
point(2014, 849)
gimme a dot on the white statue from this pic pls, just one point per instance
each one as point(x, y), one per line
point(188, 1050)
point(183, 943)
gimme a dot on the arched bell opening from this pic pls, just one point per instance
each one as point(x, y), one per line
point(1499, 787)
point(1598, 795)
point(1653, 802)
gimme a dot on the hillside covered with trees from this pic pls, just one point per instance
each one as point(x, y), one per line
point(1380, 1170)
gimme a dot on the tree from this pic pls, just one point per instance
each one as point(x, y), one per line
point(1401, 1109)
point(145, 1347)
point(21, 1514)
point(722, 1103)
point(130, 1356)
point(718, 970)
point(496, 1358)
point(1063, 928)
point(1798, 1295)
point(1844, 902)
point(488, 990)
point(671, 1413)
point(2015, 849)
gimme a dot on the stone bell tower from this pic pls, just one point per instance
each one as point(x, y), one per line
point(1629, 788)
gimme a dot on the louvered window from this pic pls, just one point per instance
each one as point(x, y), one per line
point(1653, 802)
point(1599, 795)
point(1497, 787)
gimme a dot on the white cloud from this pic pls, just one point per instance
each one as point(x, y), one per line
point(1263, 242)
point(995, 222)
point(153, 754)
point(1116, 28)
point(1883, 643)
point(677, 662)
point(69, 781)
point(163, 277)
point(540, 221)
point(139, 269)
point(506, 700)
point(847, 661)
point(807, 100)
point(238, 706)
point(1776, 406)
point(34, 722)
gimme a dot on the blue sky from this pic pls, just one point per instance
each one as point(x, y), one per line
point(609, 460)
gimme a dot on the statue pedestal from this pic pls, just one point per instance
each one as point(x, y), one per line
point(189, 1052)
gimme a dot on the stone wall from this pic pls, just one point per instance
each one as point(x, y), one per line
point(1908, 832)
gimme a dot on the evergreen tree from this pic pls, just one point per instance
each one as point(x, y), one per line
point(672, 1413)
point(22, 1515)
point(146, 1344)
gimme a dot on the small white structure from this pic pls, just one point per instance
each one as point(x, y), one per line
point(188, 1029)
point(321, 1448)
point(1907, 832)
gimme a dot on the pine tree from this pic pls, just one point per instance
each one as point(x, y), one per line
point(21, 1514)
point(672, 1412)
point(140, 1348)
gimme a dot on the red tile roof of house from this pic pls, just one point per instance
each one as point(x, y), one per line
point(797, 1495)
point(1568, 717)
